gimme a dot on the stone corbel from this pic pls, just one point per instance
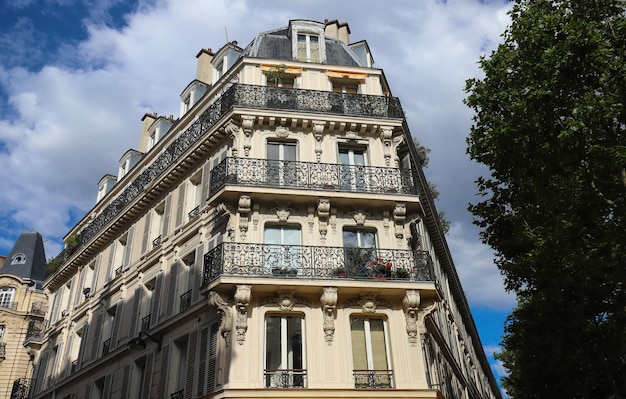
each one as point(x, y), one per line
point(399, 216)
point(411, 303)
point(242, 301)
point(244, 209)
point(329, 307)
point(247, 124)
point(323, 212)
point(318, 133)
point(224, 309)
point(231, 129)
point(427, 309)
point(396, 142)
point(286, 300)
point(359, 217)
point(385, 136)
point(283, 213)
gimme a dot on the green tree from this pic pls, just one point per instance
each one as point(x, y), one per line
point(549, 123)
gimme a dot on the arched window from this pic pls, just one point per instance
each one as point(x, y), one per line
point(6, 297)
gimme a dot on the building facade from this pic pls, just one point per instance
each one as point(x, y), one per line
point(277, 239)
point(22, 311)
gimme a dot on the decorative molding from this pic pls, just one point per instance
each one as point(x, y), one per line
point(411, 303)
point(283, 213)
point(244, 209)
point(311, 218)
point(282, 132)
point(329, 307)
point(399, 216)
point(359, 217)
point(385, 136)
point(369, 302)
point(286, 300)
point(318, 133)
point(323, 212)
point(247, 124)
point(225, 310)
point(427, 308)
point(242, 301)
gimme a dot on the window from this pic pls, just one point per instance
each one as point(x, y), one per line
point(308, 48)
point(360, 249)
point(284, 354)
point(370, 354)
point(6, 297)
point(352, 172)
point(346, 86)
point(18, 259)
point(2, 332)
point(281, 163)
point(137, 380)
point(185, 274)
point(282, 249)
point(194, 195)
point(179, 371)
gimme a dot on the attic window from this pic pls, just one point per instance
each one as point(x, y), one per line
point(308, 47)
point(18, 259)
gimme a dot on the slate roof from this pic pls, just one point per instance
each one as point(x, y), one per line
point(33, 265)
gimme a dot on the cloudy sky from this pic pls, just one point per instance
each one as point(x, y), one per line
point(76, 76)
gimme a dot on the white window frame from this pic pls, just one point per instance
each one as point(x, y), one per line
point(7, 294)
point(273, 379)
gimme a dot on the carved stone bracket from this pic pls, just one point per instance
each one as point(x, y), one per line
point(369, 302)
point(244, 209)
point(329, 307)
point(247, 124)
point(282, 131)
point(426, 309)
point(396, 142)
point(411, 303)
point(399, 216)
point(242, 301)
point(225, 310)
point(286, 299)
point(231, 129)
point(359, 217)
point(385, 136)
point(283, 213)
point(318, 131)
point(323, 212)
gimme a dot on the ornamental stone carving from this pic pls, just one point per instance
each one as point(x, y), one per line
point(369, 302)
point(399, 216)
point(360, 217)
point(244, 209)
point(247, 124)
point(242, 301)
point(329, 306)
point(411, 303)
point(282, 132)
point(318, 131)
point(225, 310)
point(286, 300)
point(385, 136)
point(323, 212)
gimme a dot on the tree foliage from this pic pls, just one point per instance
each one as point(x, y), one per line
point(550, 123)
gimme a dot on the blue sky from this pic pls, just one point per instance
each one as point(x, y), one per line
point(77, 76)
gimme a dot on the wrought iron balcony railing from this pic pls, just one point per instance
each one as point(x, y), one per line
point(106, 347)
point(315, 262)
point(145, 323)
point(373, 378)
point(35, 330)
point(185, 301)
point(285, 378)
point(21, 388)
point(3, 350)
point(311, 175)
point(74, 366)
point(244, 96)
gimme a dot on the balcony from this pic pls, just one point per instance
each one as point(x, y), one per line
point(285, 378)
point(21, 388)
point(38, 308)
point(145, 323)
point(316, 262)
point(185, 301)
point(178, 394)
point(311, 176)
point(35, 330)
point(106, 347)
point(373, 378)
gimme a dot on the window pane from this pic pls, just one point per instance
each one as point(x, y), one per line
point(273, 151)
point(359, 352)
point(272, 235)
point(367, 239)
point(314, 48)
point(289, 151)
point(294, 342)
point(379, 352)
point(291, 236)
point(272, 342)
point(349, 239)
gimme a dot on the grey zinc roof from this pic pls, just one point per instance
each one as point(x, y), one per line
point(30, 245)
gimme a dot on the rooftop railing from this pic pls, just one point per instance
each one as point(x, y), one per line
point(316, 262)
point(311, 175)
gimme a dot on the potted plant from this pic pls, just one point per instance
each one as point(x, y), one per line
point(340, 272)
point(401, 273)
point(379, 268)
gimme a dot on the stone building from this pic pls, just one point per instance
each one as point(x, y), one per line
point(22, 311)
point(275, 240)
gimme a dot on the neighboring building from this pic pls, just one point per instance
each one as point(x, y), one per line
point(278, 239)
point(22, 310)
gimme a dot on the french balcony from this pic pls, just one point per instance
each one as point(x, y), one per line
point(316, 262)
point(185, 301)
point(145, 323)
point(311, 176)
point(106, 347)
point(21, 388)
point(35, 330)
point(373, 378)
point(285, 378)
point(178, 394)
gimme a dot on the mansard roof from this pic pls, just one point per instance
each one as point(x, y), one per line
point(27, 259)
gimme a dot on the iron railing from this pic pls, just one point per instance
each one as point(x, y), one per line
point(106, 347)
point(21, 388)
point(285, 378)
point(156, 242)
point(3, 350)
point(311, 175)
point(373, 378)
point(178, 395)
point(35, 330)
point(145, 323)
point(236, 95)
point(194, 212)
point(185, 301)
point(317, 262)
point(74, 366)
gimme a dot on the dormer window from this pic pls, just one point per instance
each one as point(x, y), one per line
point(18, 259)
point(308, 48)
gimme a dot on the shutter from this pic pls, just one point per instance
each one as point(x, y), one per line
point(170, 289)
point(156, 301)
point(198, 269)
point(180, 208)
point(134, 315)
point(54, 313)
point(146, 233)
point(41, 371)
point(162, 388)
point(166, 217)
point(107, 386)
point(129, 247)
point(206, 183)
point(111, 267)
point(96, 270)
point(95, 335)
point(88, 392)
point(83, 343)
point(212, 361)
point(191, 363)
point(125, 382)
point(117, 321)
point(202, 360)
point(359, 354)
point(68, 355)
point(147, 377)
